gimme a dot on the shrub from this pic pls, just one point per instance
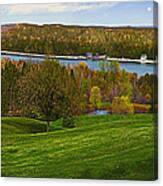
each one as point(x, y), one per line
point(90, 108)
point(95, 97)
point(122, 105)
point(105, 106)
point(141, 108)
point(68, 122)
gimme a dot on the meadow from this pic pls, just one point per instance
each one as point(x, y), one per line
point(98, 147)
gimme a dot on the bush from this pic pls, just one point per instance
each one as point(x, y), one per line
point(95, 97)
point(141, 108)
point(122, 105)
point(31, 114)
point(101, 106)
point(105, 106)
point(90, 108)
point(68, 122)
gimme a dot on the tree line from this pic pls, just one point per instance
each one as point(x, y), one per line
point(76, 40)
point(51, 90)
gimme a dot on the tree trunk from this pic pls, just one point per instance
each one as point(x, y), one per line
point(48, 126)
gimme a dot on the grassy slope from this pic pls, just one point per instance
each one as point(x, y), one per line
point(100, 147)
point(21, 126)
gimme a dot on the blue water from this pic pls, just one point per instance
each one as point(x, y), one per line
point(140, 69)
point(99, 112)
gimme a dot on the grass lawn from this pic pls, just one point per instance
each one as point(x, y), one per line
point(99, 147)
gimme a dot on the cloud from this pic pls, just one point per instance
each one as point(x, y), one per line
point(25, 9)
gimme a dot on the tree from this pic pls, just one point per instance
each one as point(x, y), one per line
point(147, 86)
point(114, 78)
point(95, 97)
point(104, 66)
point(66, 40)
point(125, 86)
point(48, 89)
point(9, 76)
point(122, 105)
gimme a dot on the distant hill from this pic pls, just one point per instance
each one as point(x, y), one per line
point(60, 39)
point(7, 27)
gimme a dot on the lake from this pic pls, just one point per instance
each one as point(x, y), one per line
point(140, 69)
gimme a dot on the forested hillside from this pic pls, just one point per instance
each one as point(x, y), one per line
point(76, 40)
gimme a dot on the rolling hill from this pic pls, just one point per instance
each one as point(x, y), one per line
point(99, 147)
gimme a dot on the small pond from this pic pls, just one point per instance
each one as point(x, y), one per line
point(99, 112)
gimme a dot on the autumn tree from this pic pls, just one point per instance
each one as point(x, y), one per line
point(9, 76)
point(49, 89)
point(114, 77)
point(125, 87)
point(95, 96)
point(122, 105)
point(61, 40)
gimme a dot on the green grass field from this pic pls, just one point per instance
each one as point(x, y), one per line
point(99, 147)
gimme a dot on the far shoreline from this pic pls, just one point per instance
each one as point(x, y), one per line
point(79, 57)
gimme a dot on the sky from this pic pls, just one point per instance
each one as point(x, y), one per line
point(86, 13)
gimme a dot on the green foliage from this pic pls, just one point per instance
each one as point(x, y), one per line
point(68, 122)
point(122, 105)
point(95, 97)
point(48, 89)
point(114, 67)
point(9, 76)
point(75, 40)
point(148, 87)
point(116, 82)
point(125, 86)
point(105, 105)
point(104, 66)
point(71, 88)
point(100, 147)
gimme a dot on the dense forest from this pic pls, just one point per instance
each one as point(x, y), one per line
point(130, 42)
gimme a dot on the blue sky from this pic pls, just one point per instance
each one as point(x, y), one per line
point(98, 13)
